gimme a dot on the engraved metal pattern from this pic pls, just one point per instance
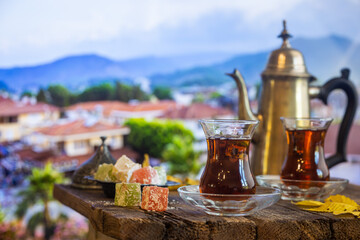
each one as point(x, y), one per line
point(89, 167)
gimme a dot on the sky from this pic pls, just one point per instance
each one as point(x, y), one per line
point(35, 32)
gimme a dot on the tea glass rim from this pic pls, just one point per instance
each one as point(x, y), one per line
point(318, 119)
point(236, 121)
point(278, 178)
point(182, 189)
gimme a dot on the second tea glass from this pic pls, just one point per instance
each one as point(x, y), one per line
point(305, 158)
point(304, 174)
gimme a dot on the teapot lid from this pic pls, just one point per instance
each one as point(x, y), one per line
point(286, 61)
point(88, 168)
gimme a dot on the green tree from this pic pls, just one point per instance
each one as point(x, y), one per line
point(162, 92)
point(2, 215)
point(152, 136)
point(199, 98)
point(122, 92)
point(215, 95)
point(41, 96)
point(73, 97)
point(104, 91)
point(125, 92)
point(258, 90)
point(137, 93)
point(27, 94)
point(181, 156)
point(41, 183)
point(59, 95)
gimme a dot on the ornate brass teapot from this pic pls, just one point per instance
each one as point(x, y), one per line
point(286, 92)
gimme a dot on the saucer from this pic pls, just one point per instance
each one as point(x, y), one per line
point(298, 190)
point(229, 204)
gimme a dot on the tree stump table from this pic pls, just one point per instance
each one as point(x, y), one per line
point(181, 221)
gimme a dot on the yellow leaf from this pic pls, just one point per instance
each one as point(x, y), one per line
point(337, 205)
point(308, 203)
point(173, 188)
point(323, 208)
point(190, 181)
point(342, 208)
point(146, 162)
point(357, 214)
point(187, 181)
point(334, 207)
point(341, 199)
point(173, 179)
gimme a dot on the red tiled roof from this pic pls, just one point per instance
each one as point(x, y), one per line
point(5, 100)
point(149, 106)
point(77, 127)
point(82, 158)
point(196, 111)
point(107, 106)
point(110, 106)
point(9, 107)
point(29, 154)
point(49, 155)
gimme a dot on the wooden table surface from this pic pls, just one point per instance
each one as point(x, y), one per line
point(181, 221)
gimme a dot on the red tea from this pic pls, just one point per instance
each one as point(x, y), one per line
point(227, 170)
point(305, 158)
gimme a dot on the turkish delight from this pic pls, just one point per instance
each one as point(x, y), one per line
point(104, 172)
point(146, 175)
point(154, 198)
point(123, 168)
point(162, 175)
point(127, 194)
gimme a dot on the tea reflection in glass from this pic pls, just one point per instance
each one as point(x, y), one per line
point(305, 158)
point(227, 170)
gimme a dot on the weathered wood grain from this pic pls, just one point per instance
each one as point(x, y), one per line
point(341, 227)
point(105, 217)
point(181, 221)
point(280, 222)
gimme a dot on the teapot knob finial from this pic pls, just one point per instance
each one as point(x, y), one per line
point(285, 36)
point(103, 139)
point(284, 24)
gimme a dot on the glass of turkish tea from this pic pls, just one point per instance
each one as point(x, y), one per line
point(305, 158)
point(227, 170)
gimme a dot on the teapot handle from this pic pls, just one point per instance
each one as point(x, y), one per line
point(348, 87)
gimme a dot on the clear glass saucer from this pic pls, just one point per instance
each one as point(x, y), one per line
point(229, 204)
point(298, 190)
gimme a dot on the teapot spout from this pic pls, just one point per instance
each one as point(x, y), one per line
point(245, 112)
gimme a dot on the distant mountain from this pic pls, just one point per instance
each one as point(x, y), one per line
point(164, 65)
point(250, 66)
point(77, 72)
point(70, 71)
point(324, 58)
point(4, 86)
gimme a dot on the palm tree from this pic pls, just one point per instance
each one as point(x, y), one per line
point(41, 183)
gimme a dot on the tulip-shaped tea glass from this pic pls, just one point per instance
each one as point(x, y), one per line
point(227, 170)
point(305, 158)
point(304, 173)
point(227, 186)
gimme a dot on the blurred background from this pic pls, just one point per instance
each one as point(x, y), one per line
point(72, 71)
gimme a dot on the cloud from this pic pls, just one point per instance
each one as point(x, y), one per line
point(35, 31)
point(50, 22)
